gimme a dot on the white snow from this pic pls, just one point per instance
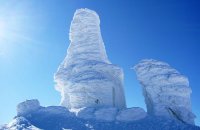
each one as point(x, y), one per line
point(27, 106)
point(86, 113)
point(93, 94)
point(106, 114)
point(166, 91)
point(86, 78)
point(58, 118)
point(131, 114)
point(111, 114)
point(20, 123)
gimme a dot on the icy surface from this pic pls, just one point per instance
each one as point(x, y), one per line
point(166, 91)
point(86, 78)
point(131, 114)
point(60, 118)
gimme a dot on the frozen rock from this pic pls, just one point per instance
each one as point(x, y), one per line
point(106, 114)
point(86, 78)
point(27, 107)
point(86, 113)
point(131, 114)
point(55, 110)
point(166, 91)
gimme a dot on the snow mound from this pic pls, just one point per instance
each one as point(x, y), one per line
point(86, 78)
point(166, 91)
point(27, 107)
point(111, 114)
point(131, 114)
point(86, 113)
point(60, 118)
point(106, 114)
point(19, 123)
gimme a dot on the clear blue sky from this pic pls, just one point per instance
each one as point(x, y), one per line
point(34, 40)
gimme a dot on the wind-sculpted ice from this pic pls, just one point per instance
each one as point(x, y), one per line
point(166, 91)
point(86, 78)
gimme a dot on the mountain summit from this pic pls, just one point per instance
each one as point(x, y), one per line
point(92, 90)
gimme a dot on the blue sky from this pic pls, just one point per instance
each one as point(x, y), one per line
point(34, 40)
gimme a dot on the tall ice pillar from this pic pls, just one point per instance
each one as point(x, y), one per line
point(86, 78)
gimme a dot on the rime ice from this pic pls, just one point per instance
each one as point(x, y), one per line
point(166, 91)
point(86, 78)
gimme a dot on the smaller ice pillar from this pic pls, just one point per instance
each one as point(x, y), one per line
point(166, 91)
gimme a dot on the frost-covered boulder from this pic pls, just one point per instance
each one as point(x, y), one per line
point(99, 114)
point(86, 113)
point(86, 78)
point(166, 91)
point(27, 107)
point(106, 114)
point(131, 114)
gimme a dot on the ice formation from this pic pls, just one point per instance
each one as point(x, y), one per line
point(86, 78)
point(131, 114)
point(166, 91)
point(27, 107)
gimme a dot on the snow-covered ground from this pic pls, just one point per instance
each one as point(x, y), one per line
point(60, 118)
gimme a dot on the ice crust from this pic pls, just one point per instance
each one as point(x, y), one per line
point(166, 91)
point(86, 78)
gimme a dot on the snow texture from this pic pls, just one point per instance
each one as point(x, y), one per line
point(86, 113)
point(106, 114)
point(27, 107)
point(19, 123)
point(131, 114)
point(86, 78)
point(101, 114)
point(166, 91)
point(60, 118)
